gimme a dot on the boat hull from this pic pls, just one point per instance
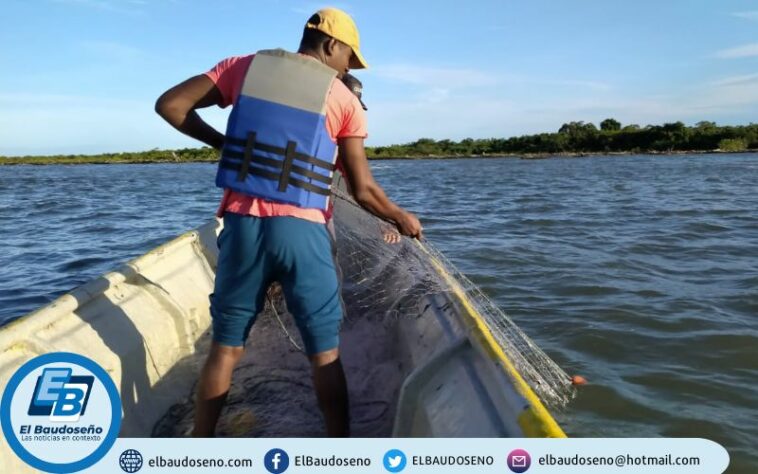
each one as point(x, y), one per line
point(148, 325)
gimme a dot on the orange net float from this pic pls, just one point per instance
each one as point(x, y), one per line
point(578, 380)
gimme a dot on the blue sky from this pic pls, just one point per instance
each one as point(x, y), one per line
point(81, 76)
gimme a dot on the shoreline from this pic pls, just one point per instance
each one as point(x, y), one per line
point(102, 160)
point(585, 154)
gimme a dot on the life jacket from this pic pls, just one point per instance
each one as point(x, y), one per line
point(277, 146)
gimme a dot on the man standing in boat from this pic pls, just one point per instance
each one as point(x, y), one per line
point(292, 124)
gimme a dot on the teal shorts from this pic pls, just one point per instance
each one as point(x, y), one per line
point(255, 252)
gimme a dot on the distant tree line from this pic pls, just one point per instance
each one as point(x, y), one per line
point(151, 156)
point(571, 138)
point(581, 137)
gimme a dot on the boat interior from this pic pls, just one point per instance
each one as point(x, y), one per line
point(410, 368)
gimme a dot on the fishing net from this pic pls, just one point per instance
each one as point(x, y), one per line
point(385, 274)
point(392, 287)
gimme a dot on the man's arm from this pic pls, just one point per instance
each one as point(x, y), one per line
point(178, 107)
point(368, 193)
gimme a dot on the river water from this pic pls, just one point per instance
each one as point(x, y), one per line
point(638, 272)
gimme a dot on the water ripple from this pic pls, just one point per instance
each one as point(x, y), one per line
point(640, 273)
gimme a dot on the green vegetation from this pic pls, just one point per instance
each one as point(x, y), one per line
point(185, 155)
point(571, 138)
point(732, 144)
point(581, 138)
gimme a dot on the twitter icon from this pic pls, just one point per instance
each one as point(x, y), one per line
point(394, 460)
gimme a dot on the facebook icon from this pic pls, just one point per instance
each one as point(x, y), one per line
point(276, 461)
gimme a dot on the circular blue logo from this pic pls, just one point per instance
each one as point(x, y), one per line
point(130, 461)
point(276, 461)
point(60, 412)
point(394, 460)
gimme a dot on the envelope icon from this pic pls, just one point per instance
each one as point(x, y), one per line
point(519, 461)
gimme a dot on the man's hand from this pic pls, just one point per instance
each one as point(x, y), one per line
point(178, 107)
point(409, 225)
point(368, 193)
point(390, 234)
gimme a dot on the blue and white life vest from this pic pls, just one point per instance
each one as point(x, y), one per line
point(277, 146)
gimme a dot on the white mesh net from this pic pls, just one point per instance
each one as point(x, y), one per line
point(385, 274)
point(387, 280)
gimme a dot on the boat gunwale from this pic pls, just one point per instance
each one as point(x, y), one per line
point(535, 419)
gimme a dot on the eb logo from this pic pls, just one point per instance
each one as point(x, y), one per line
point(61, 396)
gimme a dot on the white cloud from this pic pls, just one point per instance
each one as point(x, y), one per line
point(308, 9)
point(82, 124)
point(86, 124)
point(435, 77)
point(734, 93)
point(449, 79)
point(596, 85)
point(735, 80)
point(111, 5)
point(111, 49)
point(744, 51)
point(129, 7)
point(435, 95)
point(749, 15)
point(730, 99)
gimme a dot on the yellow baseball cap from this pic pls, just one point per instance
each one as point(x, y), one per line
point(338, 24)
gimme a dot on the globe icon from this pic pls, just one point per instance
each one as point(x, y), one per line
point(130, 461)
